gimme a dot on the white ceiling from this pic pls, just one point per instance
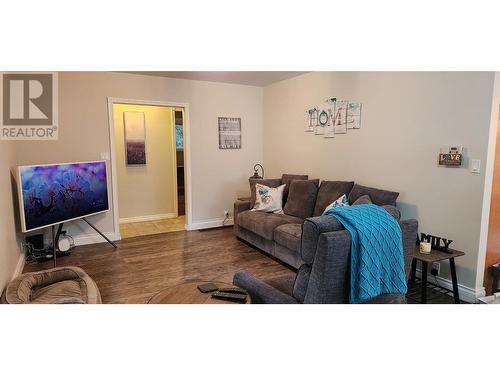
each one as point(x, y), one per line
point(242, 78)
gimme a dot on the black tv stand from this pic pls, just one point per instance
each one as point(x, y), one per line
point(57, 233)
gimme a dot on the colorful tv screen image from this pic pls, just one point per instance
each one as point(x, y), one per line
point(57, 193)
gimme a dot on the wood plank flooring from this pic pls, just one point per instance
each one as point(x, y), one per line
point(142, 266)
point(144, 228)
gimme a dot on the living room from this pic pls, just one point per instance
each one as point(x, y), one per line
point(158, 189)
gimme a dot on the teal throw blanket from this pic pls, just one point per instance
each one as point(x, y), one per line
point(377, 261)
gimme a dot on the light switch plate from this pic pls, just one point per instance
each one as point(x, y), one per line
point(475, 166)
point(104, 155)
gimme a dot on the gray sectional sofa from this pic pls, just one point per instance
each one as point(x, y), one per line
point(292, 237)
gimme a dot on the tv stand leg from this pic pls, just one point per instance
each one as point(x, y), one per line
point(54, 250)
point(98, 231)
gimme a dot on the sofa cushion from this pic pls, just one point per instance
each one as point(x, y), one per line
point(378, 196)
point(287, 180)
point(330, 191)
point(301, 198)
point(263, 223)
point(271, 182)
point(289, 235)
point(364, 199)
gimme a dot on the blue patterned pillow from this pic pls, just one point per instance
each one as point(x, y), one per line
point(268, 199)
point(341, 202)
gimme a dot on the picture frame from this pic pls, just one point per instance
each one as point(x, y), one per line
point(134, 123)
point(229, 133)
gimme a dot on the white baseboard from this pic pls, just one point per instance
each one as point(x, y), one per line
point(206, 224)
point(466, 293)
point(20, 265)
point(138, 219)
point(87, 239)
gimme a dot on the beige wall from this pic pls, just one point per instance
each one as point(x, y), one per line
point(9, 218)
point(147, 190)
point(406, 117)
point(217, 175)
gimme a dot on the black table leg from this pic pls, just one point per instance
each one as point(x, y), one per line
point(495, 288)
point(454, 280)
point(413, 273)
point(423, 298)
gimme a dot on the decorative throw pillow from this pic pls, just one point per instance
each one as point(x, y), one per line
point(287, 180)
point(271, 182)
point(301, 198)
point(364, 199)
point(341, 202)
point(268, 199)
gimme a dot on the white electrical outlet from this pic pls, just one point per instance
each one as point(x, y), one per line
point(436, 266)
point(475, 166)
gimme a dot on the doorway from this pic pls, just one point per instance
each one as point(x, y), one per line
point(149, 165)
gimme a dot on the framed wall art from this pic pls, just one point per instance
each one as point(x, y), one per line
point(229, 133)
point(135, 137)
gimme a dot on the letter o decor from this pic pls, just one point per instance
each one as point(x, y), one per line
point(323, 118)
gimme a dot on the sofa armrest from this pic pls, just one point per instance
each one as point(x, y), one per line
point(329, 279)
point(311, 230)
point(240, 206)
point(260, 291)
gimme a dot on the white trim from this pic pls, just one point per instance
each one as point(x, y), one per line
point(211, 223)
point(187, 154)
point(19, 266)
point(466, 293)
point(138, 219)
point(488, 184)
point(89, 239)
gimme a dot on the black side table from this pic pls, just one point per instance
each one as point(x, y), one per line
point(495, 274)
point(434, 256)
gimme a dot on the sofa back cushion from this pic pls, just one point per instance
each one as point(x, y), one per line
point(301, 198)
point(378, 196)
point(287, 180)
point(271, 182)
point(330, 191)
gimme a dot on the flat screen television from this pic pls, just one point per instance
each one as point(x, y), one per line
point(56, 193)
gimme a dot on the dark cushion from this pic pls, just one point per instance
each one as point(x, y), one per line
point(287, 180)
point(271, 182)
point(378, 196)
point(302, 198)
point(330, 191)
point(264, 223)
point(289, 235)
point(364, 199)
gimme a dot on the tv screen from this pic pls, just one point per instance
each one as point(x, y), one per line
point(53, 194)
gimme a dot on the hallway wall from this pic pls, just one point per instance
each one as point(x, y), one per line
point(147, 190)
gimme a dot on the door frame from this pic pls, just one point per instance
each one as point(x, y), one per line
point(112, 157)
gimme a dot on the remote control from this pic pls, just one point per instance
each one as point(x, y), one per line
point(233, 297)
point(233, 290)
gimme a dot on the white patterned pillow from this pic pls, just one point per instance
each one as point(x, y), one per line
point(268, 199)
point(341, 202)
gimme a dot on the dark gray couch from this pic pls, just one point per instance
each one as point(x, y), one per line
point(324, 275)
point(292, 237)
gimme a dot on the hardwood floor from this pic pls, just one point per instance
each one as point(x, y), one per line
point(142, 266)
point(144, 228)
